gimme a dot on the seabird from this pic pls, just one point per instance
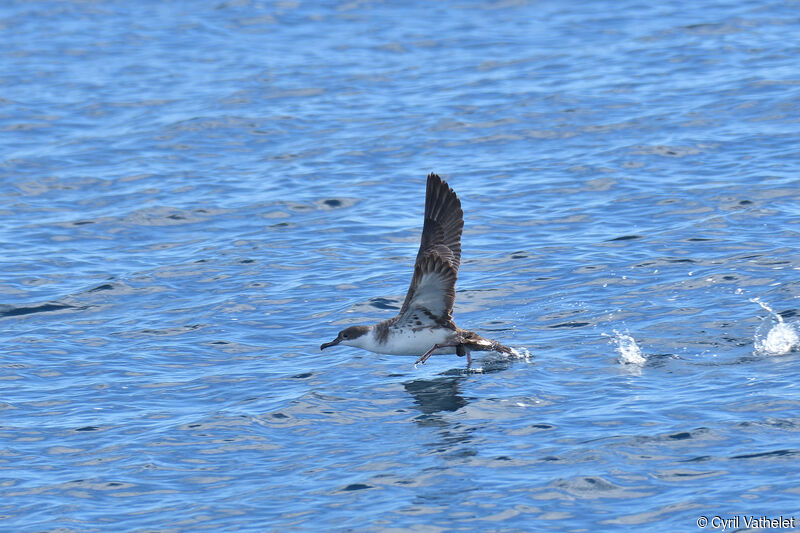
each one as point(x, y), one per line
point(425, 322)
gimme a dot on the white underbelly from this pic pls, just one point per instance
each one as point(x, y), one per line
point(401, 342)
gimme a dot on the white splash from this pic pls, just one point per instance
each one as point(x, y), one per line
point(522, 353)
point(629, 351)
point(775, 336)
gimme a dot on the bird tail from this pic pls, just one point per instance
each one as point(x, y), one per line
point(473, 341)
point(499, 348)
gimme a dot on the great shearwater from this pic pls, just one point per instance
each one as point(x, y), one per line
point(425, 322)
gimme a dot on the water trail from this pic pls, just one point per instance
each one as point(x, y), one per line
point(775, 336)
point(629, 351)
point(768, 309)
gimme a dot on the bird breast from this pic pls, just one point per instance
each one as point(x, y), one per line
point(410, 342)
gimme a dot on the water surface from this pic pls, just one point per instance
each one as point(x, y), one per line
point(196, 195)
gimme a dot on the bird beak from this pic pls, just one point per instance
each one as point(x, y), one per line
point(334, 342)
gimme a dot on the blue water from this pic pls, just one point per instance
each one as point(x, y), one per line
point(195, 195)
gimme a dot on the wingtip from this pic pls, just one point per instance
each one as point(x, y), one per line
point(435, 182)
point(439, 194)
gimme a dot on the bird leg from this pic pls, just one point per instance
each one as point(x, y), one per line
point(461, 351)
point(436, 347)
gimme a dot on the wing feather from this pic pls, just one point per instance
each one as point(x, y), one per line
point(436, 267)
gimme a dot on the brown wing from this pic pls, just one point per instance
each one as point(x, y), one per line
point(436, 268)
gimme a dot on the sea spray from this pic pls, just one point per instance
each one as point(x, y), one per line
point(629, 351)
point(775, 336)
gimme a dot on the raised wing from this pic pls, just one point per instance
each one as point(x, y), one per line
point(436, 268)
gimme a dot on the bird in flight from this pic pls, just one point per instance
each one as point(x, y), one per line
point(425, 322)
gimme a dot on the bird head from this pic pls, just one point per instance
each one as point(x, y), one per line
point(352, 336)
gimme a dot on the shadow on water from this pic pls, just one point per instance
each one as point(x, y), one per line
point(443, 393)
point(432, 396)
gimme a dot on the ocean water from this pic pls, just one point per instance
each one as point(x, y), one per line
point(195, 195)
